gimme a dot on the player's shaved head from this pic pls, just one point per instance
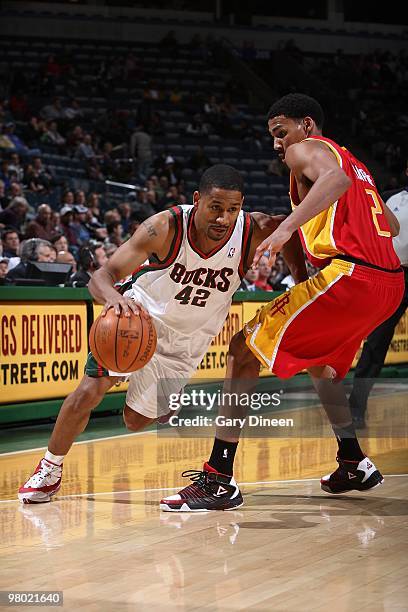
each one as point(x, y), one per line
point(297, 106)
point(221, 176)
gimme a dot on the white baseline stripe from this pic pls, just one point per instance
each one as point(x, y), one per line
point(31, 450)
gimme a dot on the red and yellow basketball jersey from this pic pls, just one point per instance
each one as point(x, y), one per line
point(355, 225)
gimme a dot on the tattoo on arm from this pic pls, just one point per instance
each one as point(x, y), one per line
point(149, 228)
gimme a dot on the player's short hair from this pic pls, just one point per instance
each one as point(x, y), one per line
point(221, 176)
point(297, 106)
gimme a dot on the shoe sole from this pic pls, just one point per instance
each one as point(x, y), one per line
point(25, 498)
point(327, 489)
point(185, 508)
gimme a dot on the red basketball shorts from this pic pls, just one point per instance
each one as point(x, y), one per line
point(322, 321)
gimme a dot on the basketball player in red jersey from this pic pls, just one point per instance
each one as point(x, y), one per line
point(346, 231)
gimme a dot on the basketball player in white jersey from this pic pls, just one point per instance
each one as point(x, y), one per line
point(198, 256)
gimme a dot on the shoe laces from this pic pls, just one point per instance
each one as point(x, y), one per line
point(199, 479)
point(46, 470)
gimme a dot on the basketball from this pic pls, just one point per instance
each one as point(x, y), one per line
point(123, 344)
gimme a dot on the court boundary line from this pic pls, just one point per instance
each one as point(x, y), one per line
point(256, 483)
point(32, 450)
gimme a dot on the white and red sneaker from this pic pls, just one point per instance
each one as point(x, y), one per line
point(352, 476)
point(209, 490)
point(42, 485)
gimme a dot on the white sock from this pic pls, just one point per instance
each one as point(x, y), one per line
point(58, 459)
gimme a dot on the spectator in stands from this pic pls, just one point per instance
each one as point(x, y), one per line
point(171, 171)
point(199, 160)
point(75, 137)
point(51, 136)
point(15, 167)
point(134, 224)
point(67, 257)
point(60, 242)
point(80, 198)
point(17, 144)
point(53, 111)
point(67, 215)
point(42, 173)
point(146, 204)
point(156, 127)
point(72, 112)
point(90, 259)
point(125, 211)
point(79, 225)
point(141, 150)
point(56, 221)
point(264, 271)
point(68, 198)
point(34, 130)
point(115, 233)
point(85, 149)
point(3, 267)
point(33, 181)
point(162, 187)
point(34, 249)
point(280, 274)
point(212, 110)
point(10, 243)
point(111, 216)
point(41, 226)
point(249, 280)
point(171, 197)
point(15, 191)
point(5, 142)
point(196, 127)
point(93, 203)
point(94, 170)
point(15, 213)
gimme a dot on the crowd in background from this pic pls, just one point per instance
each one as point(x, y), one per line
point(83, 227)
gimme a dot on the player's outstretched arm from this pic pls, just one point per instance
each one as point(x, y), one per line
point(311, 162)
point(153, 236)
point(292, 251)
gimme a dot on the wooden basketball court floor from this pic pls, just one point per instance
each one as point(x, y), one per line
point(106, 545)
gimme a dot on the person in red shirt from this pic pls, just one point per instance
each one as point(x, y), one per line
point(264, 272)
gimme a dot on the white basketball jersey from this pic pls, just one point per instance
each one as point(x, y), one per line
point(191, 292)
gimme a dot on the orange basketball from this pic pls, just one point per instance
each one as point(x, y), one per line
point(123, 344)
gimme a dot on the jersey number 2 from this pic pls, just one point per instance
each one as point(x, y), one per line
point(376, 210)
point(199, 299)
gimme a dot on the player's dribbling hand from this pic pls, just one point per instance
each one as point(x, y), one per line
point(273, 244)
point(120, 304)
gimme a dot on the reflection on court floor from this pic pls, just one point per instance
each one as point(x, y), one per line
point(104, 542)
